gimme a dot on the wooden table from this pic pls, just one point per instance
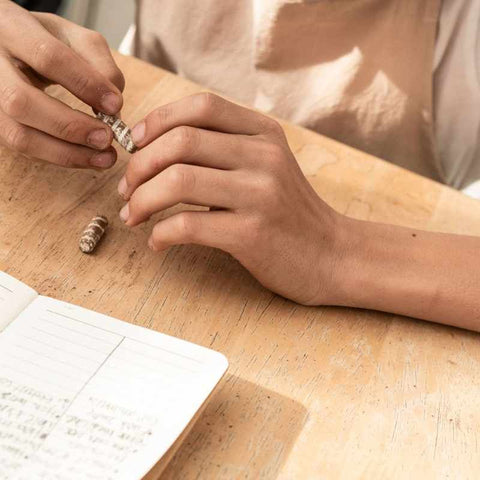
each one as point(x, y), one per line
point(327, 393)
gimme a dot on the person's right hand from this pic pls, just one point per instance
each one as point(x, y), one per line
point(37, 50)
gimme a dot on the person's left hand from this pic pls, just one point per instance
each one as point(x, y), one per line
point(204, 150)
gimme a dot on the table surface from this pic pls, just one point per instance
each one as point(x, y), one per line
point(311, 392)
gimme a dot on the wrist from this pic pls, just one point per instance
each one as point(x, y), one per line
point(336, 262)
point(347, 257)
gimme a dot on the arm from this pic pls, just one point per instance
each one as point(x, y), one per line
point(206, 151)
point(432, 276)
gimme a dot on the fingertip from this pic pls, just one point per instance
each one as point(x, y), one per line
point(151, 244)
point(138, 132)
point(129, 218)
point(125, 213)
point(122, 188)
point(111, 103)
point(100, 138)
point(155, 246)
point(104, 160)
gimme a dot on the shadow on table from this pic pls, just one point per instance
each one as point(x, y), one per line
point(245, 431)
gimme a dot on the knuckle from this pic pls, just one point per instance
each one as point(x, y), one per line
point(266, 194)
point(81, 84)
point(186, 227)
point(270, 125)
point(68, 129)
point(180, 178)
point(273, 153)
point(207, 103)
point(266, 185)
point(96, 39)
point(49, 16)
point(44, 54)
point(162, 115)
point(17, 138)
point(156, 164)
point(270, 184)
point(185, 140)
point(67, 159)
point(253, 231)
point(14, 101)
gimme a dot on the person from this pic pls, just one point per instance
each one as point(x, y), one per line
point(360, 71)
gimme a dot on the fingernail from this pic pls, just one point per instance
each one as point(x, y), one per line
point(103, 160)
point(124, 212)
point(138, 132)
point(111, 103)
point(98, 138)
point(122, 187)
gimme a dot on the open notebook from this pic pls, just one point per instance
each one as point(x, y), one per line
point(85, 396)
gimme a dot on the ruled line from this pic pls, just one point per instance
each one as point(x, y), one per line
point(18, 370)
point(180, 367)
point(43, 367)
point(156, 347)
point(36, 352)
point(162, 349)
point(67, 341)
point(56, 348)
point(85, 323)
point(78, 332)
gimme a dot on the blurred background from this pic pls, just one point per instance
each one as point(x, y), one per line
point(112, 18)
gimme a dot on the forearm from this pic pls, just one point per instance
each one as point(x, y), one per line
point(420, 274)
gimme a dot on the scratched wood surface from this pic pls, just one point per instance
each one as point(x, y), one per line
point(327, 393)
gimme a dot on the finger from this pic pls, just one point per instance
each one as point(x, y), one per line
point(32, 107)
point(90, 45)
point(186, 145)
point(29, 75)
point(212, 229)
point(59, 63)
point(39, 145)
point(181, 184)
point(94, 49)
point(203, 110)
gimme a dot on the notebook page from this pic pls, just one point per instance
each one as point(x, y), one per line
point(14, 297)
point(84, 396)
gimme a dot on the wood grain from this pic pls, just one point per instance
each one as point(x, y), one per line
point(327, 393)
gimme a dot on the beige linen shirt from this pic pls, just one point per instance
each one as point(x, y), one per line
point(359, 71)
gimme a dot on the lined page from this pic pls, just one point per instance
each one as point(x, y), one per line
point(84, 396)
point(14, 297)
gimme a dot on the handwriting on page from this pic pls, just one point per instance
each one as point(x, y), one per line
point(25, 417)
point(60, 379)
